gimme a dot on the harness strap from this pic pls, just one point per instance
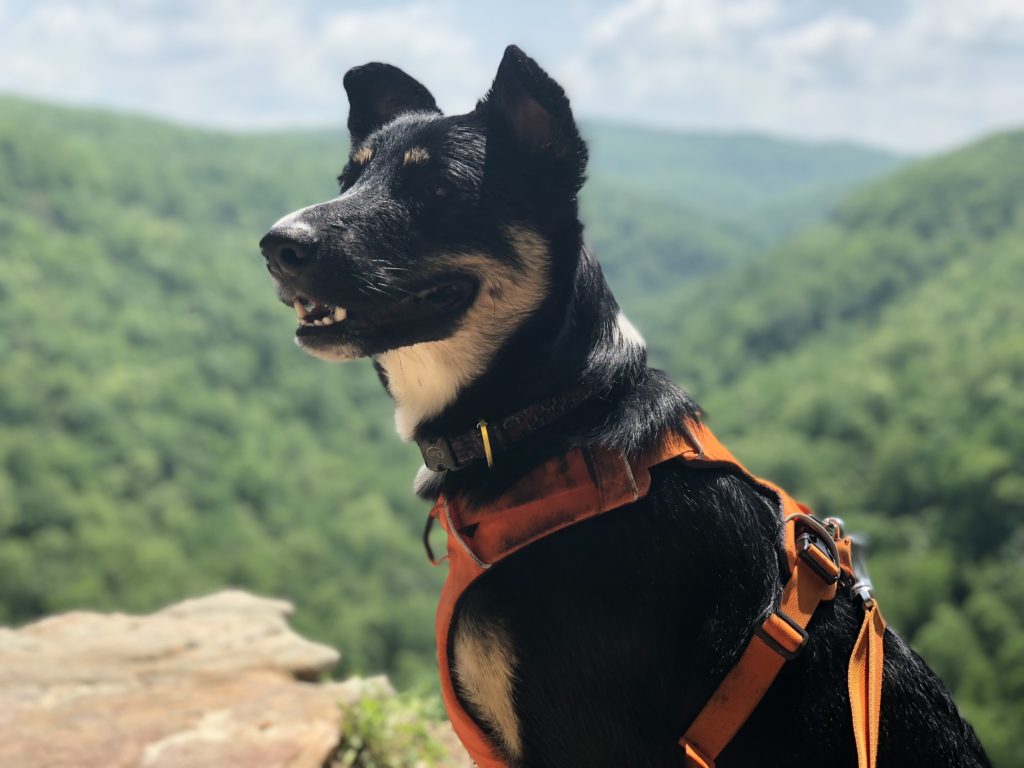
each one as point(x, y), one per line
point(865, 681)
point(779, 638)
point(589, 482)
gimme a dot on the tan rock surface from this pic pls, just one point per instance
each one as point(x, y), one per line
point(207, 682)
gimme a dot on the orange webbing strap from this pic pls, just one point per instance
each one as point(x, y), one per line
point(864, 676)
point(780, 638)
point(865, 680)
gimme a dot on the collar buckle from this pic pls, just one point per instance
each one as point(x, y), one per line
point(438, 455)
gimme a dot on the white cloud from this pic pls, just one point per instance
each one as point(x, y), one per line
point(428, 44)
point(680, 21)
point(243, 64)
point(924, 74)
point(948, 70)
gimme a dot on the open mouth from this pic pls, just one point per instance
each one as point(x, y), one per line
point(313, 313)
point(444, 298)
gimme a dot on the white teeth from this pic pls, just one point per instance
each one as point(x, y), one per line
point(304, 311)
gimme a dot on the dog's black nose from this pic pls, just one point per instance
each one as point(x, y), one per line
point(288, 250)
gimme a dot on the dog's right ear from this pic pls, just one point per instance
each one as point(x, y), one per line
point(526, 105)
point(378, 93)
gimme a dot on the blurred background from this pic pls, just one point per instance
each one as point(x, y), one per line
point(813, 210)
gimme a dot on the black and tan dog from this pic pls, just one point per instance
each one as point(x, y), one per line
point(453, 257)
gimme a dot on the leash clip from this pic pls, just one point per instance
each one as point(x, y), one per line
point(862, 588)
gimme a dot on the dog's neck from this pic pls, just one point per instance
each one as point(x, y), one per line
point(576, 336)
point(429, 381)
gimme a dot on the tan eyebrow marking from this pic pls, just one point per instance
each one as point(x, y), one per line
point(363, 156)
point(416, 155)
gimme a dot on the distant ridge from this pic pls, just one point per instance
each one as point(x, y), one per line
point(736, 172)
point(740, 171)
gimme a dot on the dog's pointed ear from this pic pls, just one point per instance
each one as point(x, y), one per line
point(534, 109)
point(377, 93)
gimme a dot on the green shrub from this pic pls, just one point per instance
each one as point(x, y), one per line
point(391, 731)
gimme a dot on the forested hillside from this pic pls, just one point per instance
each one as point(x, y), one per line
point(875, 366)
point(160, 435)
point(775, 186)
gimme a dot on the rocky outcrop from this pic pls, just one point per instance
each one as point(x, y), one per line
point(216, 681)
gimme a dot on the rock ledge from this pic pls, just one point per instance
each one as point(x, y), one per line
point(215, 681)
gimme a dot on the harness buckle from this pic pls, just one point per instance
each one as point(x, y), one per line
point(816, 547)
point(438, 455)
point(782, 634)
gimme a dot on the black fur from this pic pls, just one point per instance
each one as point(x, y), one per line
point(622, 626)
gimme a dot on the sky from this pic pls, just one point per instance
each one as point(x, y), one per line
point(911, 75)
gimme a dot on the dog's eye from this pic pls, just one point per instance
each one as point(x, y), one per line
point(424, 187)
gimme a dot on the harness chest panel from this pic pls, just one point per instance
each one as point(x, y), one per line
point(585, 483)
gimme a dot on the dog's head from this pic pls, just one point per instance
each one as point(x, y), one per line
point(441, 238)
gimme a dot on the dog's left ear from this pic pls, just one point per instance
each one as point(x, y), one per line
point(378, 93)
point(528, 104)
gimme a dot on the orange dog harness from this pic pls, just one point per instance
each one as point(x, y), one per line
point(586, 483)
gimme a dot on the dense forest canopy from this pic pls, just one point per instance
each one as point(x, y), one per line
point(161, 436)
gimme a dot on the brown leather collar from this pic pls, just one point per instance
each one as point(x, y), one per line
point(453, 452)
